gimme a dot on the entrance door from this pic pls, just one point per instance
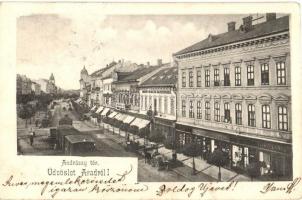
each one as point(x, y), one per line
point(155, 105)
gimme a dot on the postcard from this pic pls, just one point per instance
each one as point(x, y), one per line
point(150, 100)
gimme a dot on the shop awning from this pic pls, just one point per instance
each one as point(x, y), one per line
point(99, 110)
point(118, 116)
point(111, 115)
point(122, 117)
point(143, 123)
point(128, 119)
point(94, 107)
point(105, 111)
point(135, 122)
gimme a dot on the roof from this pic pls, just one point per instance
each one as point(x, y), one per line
point(67, 130)
point(164, 77)
point(100, 71)
point(136, 74)
point(258, 30)
point(79, 138)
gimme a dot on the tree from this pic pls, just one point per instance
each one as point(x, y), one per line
point(219, 159)
point(26, 112)
point(157, 137)
point(192, 150)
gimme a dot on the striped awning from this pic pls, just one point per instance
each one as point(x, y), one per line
point(143, 123)
point(94, 107)
point(111, 115)
point(105, 111)
point(99, 110)
point(128, 119)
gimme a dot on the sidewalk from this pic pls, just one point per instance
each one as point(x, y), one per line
point(205, 171)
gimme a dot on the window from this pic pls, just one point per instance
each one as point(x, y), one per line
point(199, 115)
point(166, 105)
point(190, 79)
point(146, 104)
point(250, 75)
point(266, 116)
point(251, 115)
point(282, 118)
point(237, 76)
point(207, 111)
point(227, 113)
point(172, 106)
point(183, 108)
point(183, 79)
point(216, 77)
point(217, 111)
point(264, 74)
point(159, 105)
point(198, 78)
point(150, 103)
point(281, 79)
point(142, 102)
point(226, 75)
point(238, 113)
point(191, 109)
point(207, 78)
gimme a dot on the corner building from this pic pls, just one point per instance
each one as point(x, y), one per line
point(235, 91)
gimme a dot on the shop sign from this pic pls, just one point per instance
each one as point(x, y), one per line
point(211, 134)
point(265, 145)
point(275, 147)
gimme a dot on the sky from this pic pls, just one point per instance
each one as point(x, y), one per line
point(63, 44)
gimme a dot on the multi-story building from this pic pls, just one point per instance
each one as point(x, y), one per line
point(158, 94)
point(235, 92)
point(126, 87)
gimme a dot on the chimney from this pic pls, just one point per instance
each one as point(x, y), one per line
point(247, 23)
point(270, 16)
point(159, 62)
point(148, 64)
point(231, 26)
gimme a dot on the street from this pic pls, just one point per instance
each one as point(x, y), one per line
point(107, 144)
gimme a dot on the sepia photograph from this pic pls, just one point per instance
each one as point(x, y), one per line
point(195, 98)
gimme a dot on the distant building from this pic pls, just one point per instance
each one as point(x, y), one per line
point(48, 86)
point(234, 93)
point(23, 85)
point(126, 86)
point(36, 88)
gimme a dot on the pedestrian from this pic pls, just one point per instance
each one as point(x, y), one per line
point(31, 138)
point(37, 122)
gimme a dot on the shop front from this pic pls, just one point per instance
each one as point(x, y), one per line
point(274, 159)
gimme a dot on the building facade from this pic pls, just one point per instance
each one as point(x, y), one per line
point(234, 92)
point(158, 94)
point(126, 87)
